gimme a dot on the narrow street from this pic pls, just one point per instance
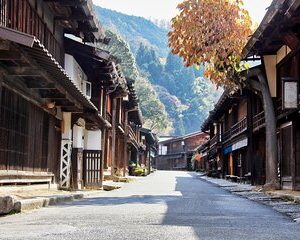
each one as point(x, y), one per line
point(164, 205)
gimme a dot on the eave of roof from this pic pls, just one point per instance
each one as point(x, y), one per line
point(281, 9)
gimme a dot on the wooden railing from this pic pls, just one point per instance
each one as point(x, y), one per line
point(21, 16)
point(259, 120)
point(214, 140)
point(235, 130)
point(131, 133)
point(226, 135)
point(108, 117)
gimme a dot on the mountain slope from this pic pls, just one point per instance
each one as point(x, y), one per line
point(187, 96)
point(136, 30)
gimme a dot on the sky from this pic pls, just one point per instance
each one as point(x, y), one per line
point(166, 9)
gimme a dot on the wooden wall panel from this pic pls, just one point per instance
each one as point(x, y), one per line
point(24, 135)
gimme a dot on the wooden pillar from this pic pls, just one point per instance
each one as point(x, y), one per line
point(250, 154)
point(149, 158)
point(230, 164)
point(103, 135)
point(113, 160)
point(125, 156)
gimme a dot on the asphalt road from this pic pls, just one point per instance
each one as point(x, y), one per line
point(165, 205)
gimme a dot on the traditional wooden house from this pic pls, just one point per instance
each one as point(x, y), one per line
point(135, 146)
point(276, 43)
point(48, 105)
point(149, 140)
point(107, 85)
point(201, 155)
point(123, 140)
point(229, 125)
point(177, 153)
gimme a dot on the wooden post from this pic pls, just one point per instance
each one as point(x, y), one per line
point(249, 157)
point(149, 159)
point(103, 135)
point(113, 162)
point(125, 157)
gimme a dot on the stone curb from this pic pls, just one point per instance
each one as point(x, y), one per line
point(285, 196)
point(266, 198)
point(35, 203)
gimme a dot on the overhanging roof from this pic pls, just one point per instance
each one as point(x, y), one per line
point(266, 39)
point(31, 47)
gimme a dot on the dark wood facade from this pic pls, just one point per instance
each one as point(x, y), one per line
point(276, 43)
point(176, 153)
point(36, 94)
point(228, 151)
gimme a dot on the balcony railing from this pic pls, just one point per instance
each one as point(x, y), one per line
point(131, 133)
point(108, 117)
point(215, 140)
point(235, 130)
point(259, 120)
point(21, 16)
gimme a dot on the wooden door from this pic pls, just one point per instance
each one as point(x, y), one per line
point(92, 169)
point(230, 164)
point(287, 155)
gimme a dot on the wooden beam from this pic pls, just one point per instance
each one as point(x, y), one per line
point(9, 55)
point(52, 95)
point(36, 85)
point(291, 40)
point(24, 71)
point(69, 3)
point(83, 29)
point(74, 17)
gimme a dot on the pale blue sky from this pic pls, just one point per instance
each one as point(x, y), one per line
point(166, 9)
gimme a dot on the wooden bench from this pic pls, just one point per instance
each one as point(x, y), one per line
point(12, 177)
point(232, 178)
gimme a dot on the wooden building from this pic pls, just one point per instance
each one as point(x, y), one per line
point(176, 153)
point(276, 42)
point(228, 152)
point(240, 117)
point(40, 102)
point(123, 139)
point(65, 106)
point(150, 141)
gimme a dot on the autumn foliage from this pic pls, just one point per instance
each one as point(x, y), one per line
point(212, 32)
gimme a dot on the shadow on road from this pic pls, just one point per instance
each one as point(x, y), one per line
point(200, 210)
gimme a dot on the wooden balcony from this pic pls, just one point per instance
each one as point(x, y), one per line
point(132, 136)
point(259, 121)
point(131, 133)
point(235, 130)
point(21, 16)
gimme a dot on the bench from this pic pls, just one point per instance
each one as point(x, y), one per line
point(232, 178)
point(12, 177)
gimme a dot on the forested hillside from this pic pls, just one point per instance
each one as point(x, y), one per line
point(181, 92)
point(135, 30)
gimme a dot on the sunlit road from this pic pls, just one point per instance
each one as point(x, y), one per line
point(165, 205)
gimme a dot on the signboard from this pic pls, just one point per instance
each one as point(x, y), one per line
point(236, 146)
point(240, 144)
point(290, 98)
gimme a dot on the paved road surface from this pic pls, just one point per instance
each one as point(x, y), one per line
point(166, 205)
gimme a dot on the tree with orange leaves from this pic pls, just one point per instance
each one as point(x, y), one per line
point(212, 32)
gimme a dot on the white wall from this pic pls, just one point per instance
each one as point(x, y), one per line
point(78, 133)
point(92, 140)
point(74, 71)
